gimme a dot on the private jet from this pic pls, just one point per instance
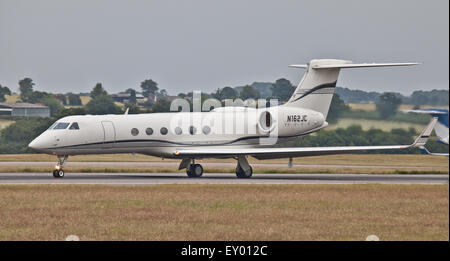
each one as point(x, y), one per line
point(441, 128)
point(224, 132)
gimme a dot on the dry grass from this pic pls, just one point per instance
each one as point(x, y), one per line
point(224, 212)
point(356, 159)
point(256, 169)
point(375, 124)
point(85, 99)
point(5, 123)
point(372, 106)
point(363, 106)
point(12, 98)
point(338, 164)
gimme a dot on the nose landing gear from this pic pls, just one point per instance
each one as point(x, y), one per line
point(59, 171)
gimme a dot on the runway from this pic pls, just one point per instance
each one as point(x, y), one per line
point(205, 164)
point(217, 178)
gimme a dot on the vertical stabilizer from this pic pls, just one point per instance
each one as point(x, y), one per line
point(316, 88)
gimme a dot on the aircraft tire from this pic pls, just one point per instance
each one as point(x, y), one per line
point(58, 173)
point(195, 171)
point(241, 174)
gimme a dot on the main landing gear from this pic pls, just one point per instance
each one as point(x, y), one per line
point(59, 168)
point(243, 169)
point(194, 171)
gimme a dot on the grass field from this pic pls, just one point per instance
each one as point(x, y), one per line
point(12, 98)
point(368, 163)
point(355, 159)
point(5, 123)
point(85, 99)
point(224, 212)
point(375, 124)
point(256, 169)
point(372, 106)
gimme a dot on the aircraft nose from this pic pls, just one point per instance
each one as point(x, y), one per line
point(37, 143)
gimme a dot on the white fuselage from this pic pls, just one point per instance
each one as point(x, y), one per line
point(145, 133)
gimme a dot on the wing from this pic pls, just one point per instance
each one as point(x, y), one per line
point(273, 153)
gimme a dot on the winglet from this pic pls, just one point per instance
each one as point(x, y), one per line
point(424, 150)
point(126, 112)
point(423, 138)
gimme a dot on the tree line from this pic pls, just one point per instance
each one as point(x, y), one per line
point(433, 97)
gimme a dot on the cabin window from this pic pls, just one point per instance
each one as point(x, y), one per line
point(149, 131)
point(192, 130)
point(74, 126)
point(178, 131)
point(206, 130)
point(134, 131)
point(61, 126)
point(164, 131)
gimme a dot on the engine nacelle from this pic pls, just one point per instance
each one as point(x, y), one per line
point(288, 121)
point(266, 122)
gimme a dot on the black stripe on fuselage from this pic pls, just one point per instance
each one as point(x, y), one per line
point(319, 87)
point(171, 142)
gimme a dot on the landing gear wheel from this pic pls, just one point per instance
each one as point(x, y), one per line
point(58, 173)
point(241, 174)
point(195, 171)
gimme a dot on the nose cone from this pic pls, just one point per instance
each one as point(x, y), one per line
point(38, 144)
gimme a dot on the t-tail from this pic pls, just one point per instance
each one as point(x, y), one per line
point(315, 90)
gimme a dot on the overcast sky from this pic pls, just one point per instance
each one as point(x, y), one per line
point(203, 45)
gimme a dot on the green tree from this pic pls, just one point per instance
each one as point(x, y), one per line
point(161, 106)
point(282, 89)
point(102, 104)
point(149, 87)
point(37, 96)
point(248, 92)
point(26, 89)
point(132, 93)
point(98, 91)
point(162, 94)
point(388, 104)
point(132, 108)
point(53, 103)
point(4, 91)
point(226, 93)
point(337, 107)
point(62, 98)
point(74, 99)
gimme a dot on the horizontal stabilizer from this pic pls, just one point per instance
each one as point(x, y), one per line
point(351, 65)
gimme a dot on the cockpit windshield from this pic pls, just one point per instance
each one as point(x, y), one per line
point(61, 126)
point(74, 126)
point(52, 126)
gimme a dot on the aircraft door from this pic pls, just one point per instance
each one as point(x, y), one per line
point(109, 134)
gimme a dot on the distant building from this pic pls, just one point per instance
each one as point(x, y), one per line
point(24, 109)
point(125, 97)
point(151, 97)
point(170, 98)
